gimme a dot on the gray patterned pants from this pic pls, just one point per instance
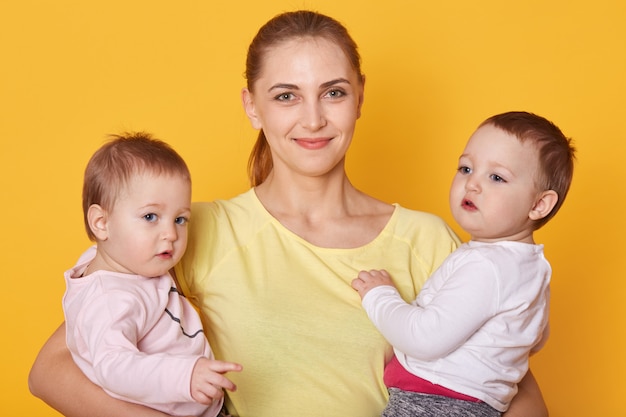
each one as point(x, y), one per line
point(414, 404)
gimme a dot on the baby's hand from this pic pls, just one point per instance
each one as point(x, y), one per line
point(366, 280)
point(207, 379)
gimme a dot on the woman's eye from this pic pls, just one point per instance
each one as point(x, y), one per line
point(284, 97)
point(180, 220)
point(336, 93)
point(151, 217)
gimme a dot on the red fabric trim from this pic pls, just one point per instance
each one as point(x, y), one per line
point(398, 377)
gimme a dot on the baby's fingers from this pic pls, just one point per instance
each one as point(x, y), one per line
point(206, 393)
point(223, 366)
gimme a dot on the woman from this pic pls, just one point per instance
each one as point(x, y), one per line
point(271, 269)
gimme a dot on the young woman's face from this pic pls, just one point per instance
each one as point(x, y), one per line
point(307, 101)
point(495, 187)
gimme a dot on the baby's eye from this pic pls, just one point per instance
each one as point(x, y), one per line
point(464, 170)
point(181, 220)
point(497, 178)
point(150, 217)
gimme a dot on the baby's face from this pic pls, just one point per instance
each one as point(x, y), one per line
point(495, 187)
point(147, 227)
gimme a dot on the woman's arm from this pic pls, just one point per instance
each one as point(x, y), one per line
point(528, 402)
point(57, 380)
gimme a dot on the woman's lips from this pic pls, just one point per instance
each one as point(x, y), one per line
point(313, 143)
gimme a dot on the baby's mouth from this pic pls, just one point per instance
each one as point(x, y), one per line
point(468, 204)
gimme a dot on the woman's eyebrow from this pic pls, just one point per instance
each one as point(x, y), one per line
point(334, 82)
point(326, 84)
point(283, 86)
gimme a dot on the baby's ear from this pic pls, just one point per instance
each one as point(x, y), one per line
point(97, 218)
point(544, 205)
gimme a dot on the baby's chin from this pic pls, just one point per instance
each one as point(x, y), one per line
point(156, 272)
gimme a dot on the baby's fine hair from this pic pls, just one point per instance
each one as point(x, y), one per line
point(556, 152)
point(117, 161)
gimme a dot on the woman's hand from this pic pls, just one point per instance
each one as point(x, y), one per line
point(528, 402)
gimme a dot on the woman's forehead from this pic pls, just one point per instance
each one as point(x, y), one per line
point(300, 59)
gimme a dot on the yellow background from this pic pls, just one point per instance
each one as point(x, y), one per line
point(73, 71)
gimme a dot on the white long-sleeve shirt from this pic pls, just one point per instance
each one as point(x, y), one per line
point(136, 337)
point(475, 322)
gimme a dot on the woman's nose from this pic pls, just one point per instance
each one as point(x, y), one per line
point(313, 116)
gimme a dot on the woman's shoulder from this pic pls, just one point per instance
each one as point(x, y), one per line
point(428, 234)
point(420, 220)
point(239, 205)
point(220, 223)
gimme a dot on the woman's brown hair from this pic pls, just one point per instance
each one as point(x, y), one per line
point(282, 28)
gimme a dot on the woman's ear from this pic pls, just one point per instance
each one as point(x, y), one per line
point(544, 205)
point(248, 105)
point(97, 219)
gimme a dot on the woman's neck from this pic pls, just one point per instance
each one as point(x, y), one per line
point(326, 212)
point(307, 196)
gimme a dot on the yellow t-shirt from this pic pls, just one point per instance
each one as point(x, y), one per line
point(286, 311)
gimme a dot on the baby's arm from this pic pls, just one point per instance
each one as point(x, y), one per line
point(429, 331)
point(58, 381)
point(207, 380)
point(111, 327)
